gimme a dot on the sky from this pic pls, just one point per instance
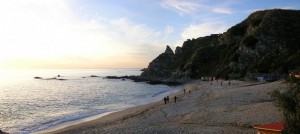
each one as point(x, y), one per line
point(111, 33)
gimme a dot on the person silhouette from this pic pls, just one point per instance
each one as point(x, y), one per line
point(184, 91)
point(165, 100)
point(175, 99)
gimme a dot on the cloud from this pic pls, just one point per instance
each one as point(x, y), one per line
point(34, 25)
point(168, 30)
point(201, 30)
point(222, 10)
point(182, 7)
point(130, 31)
point(47, 33)
point(204, 29)
point(288, 7)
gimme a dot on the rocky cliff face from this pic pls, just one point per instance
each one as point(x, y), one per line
point(159, 68)
point(267, 42)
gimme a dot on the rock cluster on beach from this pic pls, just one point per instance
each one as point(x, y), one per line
point(266, 42)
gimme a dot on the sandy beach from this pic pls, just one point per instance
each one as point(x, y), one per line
point(209, 108)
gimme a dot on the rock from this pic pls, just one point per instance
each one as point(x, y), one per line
point(265, 42)
point(143, 69)
point(169, 51)
point(178, 50)
point(158, 68)
point(116, 77)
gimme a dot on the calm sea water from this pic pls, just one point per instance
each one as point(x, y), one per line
point(28, 105)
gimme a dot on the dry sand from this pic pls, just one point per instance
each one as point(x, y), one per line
point(207, 109)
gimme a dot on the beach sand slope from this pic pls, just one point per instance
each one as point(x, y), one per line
point(209, 108)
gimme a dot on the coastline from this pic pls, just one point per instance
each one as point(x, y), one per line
point(101, 118)
point(208, 109)
point(107, 116)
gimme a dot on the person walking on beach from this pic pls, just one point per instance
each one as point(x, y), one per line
point(221, 83)
point(175, 98)
point(229, 83)
point(184, 91)
point(165, 100)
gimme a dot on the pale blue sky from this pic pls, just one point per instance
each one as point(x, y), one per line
point(111, 33)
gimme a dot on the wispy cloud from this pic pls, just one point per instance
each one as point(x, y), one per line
point(168, 30)
point(287, 7)
point(185, 7)
point(182, 7)
point(203, 29)
point(131, 31)
point(222, 10)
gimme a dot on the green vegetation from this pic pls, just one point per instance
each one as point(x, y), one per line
point(289, 103)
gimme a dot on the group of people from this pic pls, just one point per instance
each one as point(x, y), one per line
point(167, 100)
point(228, 83)
point(184, 91)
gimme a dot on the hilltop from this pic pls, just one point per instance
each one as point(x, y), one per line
point(267, 41)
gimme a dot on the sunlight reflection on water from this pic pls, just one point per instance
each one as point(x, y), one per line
point(28, 104)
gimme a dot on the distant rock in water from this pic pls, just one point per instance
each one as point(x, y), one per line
point(94, 76)
point(60, 79)
point(37, 77)
point(266, 42)
point(53, 78)
point(116, 77)
point(143, 79)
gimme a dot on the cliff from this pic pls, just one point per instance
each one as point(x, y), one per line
point(266, 42)
point(160, 66)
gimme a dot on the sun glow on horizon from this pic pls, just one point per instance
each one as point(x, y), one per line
point(49, 34)
point(110, 34)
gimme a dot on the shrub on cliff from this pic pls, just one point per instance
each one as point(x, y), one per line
point(289, 103)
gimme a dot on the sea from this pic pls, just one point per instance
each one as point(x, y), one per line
point(28, 105)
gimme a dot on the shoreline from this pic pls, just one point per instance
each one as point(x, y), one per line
point(210, 108)
point(71, 123)
point(107, 116)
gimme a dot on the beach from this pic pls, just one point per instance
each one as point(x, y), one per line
point(209, 108)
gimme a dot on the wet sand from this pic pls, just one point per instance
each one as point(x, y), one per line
point(209, 108)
